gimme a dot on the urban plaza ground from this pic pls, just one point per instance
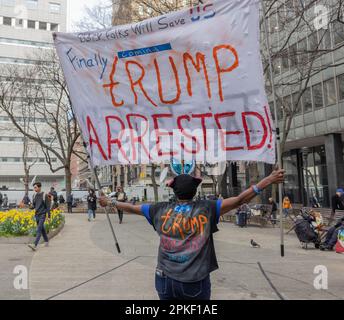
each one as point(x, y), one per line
point(82, 263)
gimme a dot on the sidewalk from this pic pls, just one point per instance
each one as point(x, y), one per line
point(82, 263)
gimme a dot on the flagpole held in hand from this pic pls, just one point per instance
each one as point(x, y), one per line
point(96, 178)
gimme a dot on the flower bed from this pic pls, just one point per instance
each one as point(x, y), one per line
point(18, 223)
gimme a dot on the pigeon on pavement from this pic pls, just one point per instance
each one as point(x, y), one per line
point(254, 244)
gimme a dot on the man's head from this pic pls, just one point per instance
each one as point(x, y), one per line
point(119, 189)
point(271, 200)
point(52, 189)
point(185, 186)
point(339, 192)
point(37, 187)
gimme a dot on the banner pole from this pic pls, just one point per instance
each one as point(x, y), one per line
point(278, 136)
point(95, 174)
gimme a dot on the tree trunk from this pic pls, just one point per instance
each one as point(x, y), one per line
point(155, 187)
point(26, 180)
point(68, 177)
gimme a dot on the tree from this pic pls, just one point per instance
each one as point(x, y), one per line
point(296, 63)
point(28, 164)
point(39, 93)
point(300, 42)
point(96, 17)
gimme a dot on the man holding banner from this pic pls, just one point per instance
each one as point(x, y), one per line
point(189, 86)
point(185, 227)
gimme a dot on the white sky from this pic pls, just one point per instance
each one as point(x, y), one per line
point(76, 10)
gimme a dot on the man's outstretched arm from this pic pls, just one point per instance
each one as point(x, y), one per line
point(127, 207)
point(228, 204)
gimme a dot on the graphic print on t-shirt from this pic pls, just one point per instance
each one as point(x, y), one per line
point(182, 234)
point(186, 251)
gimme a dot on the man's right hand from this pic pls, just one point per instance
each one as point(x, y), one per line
point(103, 201)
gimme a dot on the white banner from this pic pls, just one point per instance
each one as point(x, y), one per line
point(186, 85)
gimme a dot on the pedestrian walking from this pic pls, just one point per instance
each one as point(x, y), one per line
point(5, 201)
point(273, 212)
point(61, 199)
point(91, 204)
point(186, 253)
point(54, 197)
point(286, 206)
point(314, 201)
point(41, 203)
point(1, 199)
point(70, 200)
point(26, 200)
point(120, 196)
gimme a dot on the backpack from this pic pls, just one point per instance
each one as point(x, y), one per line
point(44, 200)
point(340, 242)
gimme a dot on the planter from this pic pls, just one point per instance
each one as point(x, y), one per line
point(27, 240)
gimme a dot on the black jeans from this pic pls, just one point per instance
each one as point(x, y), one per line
point(120, 215)
point(273, 217)
point(331, 237)
point(40, 229)
point(169, 289)
point(70, 208)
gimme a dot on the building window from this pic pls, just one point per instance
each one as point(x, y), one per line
point(43, 26)
point(287, 103)
point(313, 41)
point(285, 61)
point(330, 92)
point(32, 4)
point(7, 21)
point(54, 27)
point(273, 22)
point(54, 7)
point(19, 23)
point(31, 24)
point(276, 64)
point(25, 43)
point(297, 106)
point(141, 10)
point(318, 96)
point(9, 3)
point(307, 100)
point(325, 38)
point(338, 32)
point(17, 60)
point(340, 80)
point(293, 55)
point(302, 51)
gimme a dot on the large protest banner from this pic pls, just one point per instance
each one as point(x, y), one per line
point(186, 83)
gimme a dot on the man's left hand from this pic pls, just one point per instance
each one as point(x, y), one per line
point(277, 176)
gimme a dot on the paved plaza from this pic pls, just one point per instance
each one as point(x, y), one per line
point(82, 263)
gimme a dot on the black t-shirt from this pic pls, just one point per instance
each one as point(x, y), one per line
point(186, 251)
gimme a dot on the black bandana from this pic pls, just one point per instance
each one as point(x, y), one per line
point(185, 186)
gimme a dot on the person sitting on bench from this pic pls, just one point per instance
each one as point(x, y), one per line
point(332, 236)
